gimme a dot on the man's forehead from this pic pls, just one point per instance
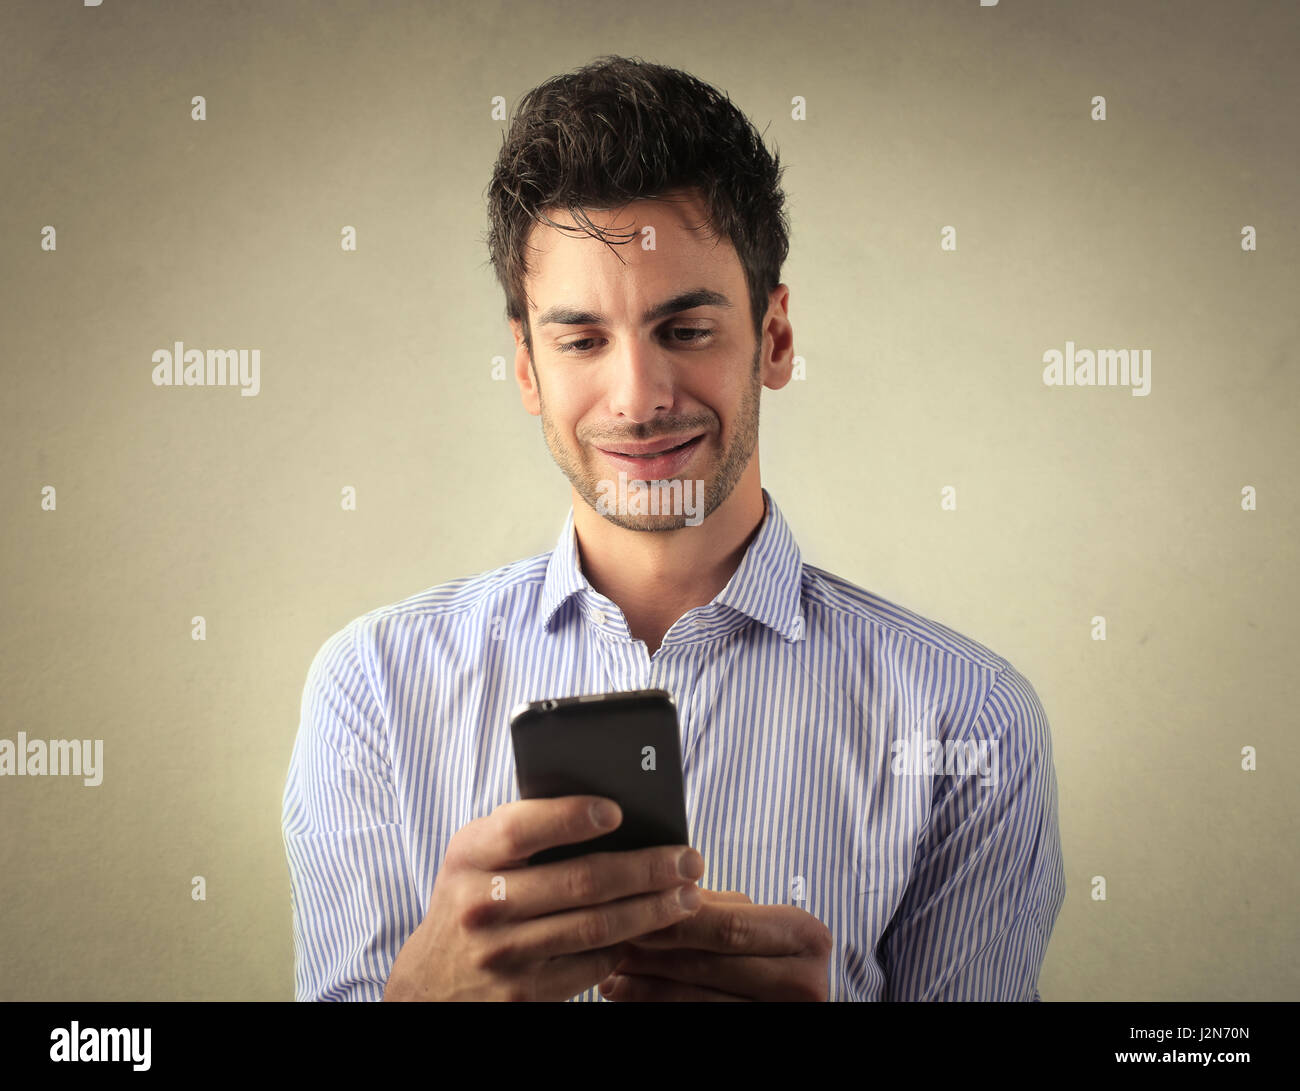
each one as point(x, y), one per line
point(645, 244)
point(563, 314)
point(571, 273)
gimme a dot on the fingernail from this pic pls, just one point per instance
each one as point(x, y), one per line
point(607, 986)
point(604, 814)
point(689, 897)
point(690, 864)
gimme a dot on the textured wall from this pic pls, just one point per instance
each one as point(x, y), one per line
point(924, 371)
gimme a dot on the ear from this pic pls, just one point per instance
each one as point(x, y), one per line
point(777, 362)
point(524, 370)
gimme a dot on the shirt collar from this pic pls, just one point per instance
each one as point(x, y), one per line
point(766, 585)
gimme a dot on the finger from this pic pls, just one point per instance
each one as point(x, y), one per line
point(711, 896)
point(752, 976)
point(626, 988)
point(736, 929)
point(514, 831)
point(725, 896)
point(569, 975)
point(597, 878)
point(595, 926)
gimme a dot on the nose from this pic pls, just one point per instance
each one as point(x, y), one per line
point(641, 382)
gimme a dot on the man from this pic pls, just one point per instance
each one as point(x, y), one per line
point(871, 795)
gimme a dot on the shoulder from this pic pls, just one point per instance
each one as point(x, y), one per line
point(928, 656)
point(879, 617)
point(463, 595)
point(368, 641)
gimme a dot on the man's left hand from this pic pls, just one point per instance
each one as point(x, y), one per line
point(729, 950)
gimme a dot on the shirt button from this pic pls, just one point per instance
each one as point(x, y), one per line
point(599, 619)
point(699, 623)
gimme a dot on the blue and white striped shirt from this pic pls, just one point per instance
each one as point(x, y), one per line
point(840, 753)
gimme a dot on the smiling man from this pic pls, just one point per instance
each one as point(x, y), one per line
point(638, 233)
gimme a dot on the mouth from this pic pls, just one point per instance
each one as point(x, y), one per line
point(658, 459)
point(652, 450)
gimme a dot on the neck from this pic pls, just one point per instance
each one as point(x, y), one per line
point(655, 577)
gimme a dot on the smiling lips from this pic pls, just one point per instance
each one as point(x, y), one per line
point(645, 450)
point(657, 459)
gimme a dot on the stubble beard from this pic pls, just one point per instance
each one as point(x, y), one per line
point(718, 485)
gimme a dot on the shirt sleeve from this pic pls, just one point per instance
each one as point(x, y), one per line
point(350, 890)
point(988, 880)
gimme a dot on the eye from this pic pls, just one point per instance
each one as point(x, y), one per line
point(696, 336)
point(700, 338)
point(572, 346)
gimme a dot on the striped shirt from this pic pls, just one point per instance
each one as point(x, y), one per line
point(840, 753)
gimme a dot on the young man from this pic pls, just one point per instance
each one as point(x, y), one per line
point(871, 795)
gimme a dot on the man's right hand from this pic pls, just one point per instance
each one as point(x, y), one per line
point(551, 931)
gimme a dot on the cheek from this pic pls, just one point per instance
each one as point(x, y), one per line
point(564, 407)
point(725, 401)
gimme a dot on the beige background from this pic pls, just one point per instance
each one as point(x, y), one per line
point(924, 370)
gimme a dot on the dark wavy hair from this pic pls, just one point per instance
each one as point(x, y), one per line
point(621, 129)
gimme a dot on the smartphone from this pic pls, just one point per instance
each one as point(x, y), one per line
point(624, 746)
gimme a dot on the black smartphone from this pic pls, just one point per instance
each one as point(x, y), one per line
point(624, 746)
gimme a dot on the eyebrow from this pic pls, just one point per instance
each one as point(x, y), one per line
point(562, 315)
